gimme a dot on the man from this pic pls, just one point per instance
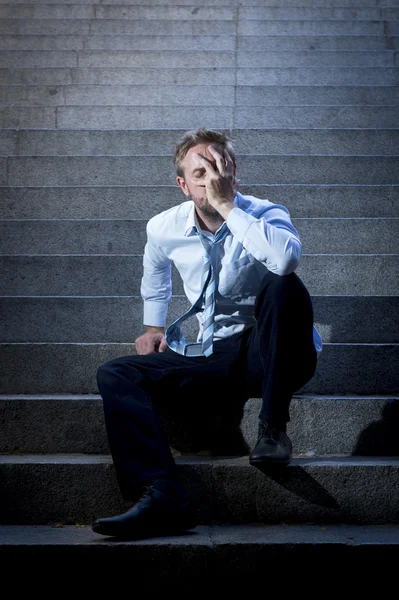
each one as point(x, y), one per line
point(236, 256)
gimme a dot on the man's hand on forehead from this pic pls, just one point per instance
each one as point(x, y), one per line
point(219, 180)
point(224, 162)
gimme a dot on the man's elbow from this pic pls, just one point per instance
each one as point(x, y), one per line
point(289, 261)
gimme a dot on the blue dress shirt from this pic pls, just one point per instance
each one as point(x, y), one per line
point(262, 237)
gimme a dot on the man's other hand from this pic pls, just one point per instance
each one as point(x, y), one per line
point(153, 340)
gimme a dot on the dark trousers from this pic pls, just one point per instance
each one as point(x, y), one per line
point(272, 360)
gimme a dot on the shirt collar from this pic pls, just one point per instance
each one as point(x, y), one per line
point(192, 219)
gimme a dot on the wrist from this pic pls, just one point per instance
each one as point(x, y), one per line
point(154, 329)
point(225, 208)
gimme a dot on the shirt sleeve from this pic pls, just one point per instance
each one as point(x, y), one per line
point(271, 237)
point(156, 283)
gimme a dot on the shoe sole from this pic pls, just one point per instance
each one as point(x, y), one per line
point(142, 533)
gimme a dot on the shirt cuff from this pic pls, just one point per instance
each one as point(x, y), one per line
point(239, 222)
point(155, 313)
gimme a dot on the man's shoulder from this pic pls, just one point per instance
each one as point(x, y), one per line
point(170, 217)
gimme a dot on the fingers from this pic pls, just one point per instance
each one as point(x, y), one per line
point(224, 164)
point(148, 343)
point(236, 184)
point(220, 160)
point(229, 163)
point(205, 163)
point(163, 345)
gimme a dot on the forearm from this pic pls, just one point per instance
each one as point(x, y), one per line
point(271, 239)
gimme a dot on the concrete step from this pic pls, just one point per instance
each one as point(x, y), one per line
point(287, 3)
point(315, 27)
point(339, 319)
point(70, 26)
point(119, 275)
point(269, 95)
point(361, 369)
point(307, 58)
point(265, 76)
point(299, 42)
point(206, 554)
point(144, 95)
point(203, 59)
point(124, 236)
point(191, 117)
point(41, 489)
point(148, 58)
point(320, 425)
point(147, 95)
point(269, 141)
point(342, 13)
point(317, 76)
point(338, 200)
point(159, 42)
point(146, 27)
point(195, 42)
point(94, 11)
point(252, 169)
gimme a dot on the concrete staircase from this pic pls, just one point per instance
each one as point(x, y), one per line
point(93, 97)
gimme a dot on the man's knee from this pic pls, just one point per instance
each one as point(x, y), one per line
point(281, 285)
point(108, 370)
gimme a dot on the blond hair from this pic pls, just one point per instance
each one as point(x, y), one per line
point(200, 136)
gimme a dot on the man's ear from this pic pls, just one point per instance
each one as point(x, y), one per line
point(182, 185)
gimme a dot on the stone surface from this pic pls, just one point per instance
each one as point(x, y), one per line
point(119, 275)
point(339, 319)
point(193, 42)
point(318, 236)
point(43, 58)
point(324, 117)
point(160, 59)
point(14, 117)
point(8, 142)
point(71, 368)
point(78, 488)
point(276, 76)
point(188, 95)
point(246, 141)
point(114, 275)
point(320, 425)
point(133, 170)
point(347, 76)
point(131, 42)
point(310, 27)
point(129, 26)
point(141, 117)
point(175, 13)
point(306, 94)
point(17, 95)
point(221, 555)
point(132, 202)
point(311, 58)
point(310, 42)
point(311, 13)
point(193, 3)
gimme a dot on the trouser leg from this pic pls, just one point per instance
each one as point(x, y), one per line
point(131, 388)
point(136, 439)
point(281, 353)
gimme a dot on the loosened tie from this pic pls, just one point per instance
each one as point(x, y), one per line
point(206, 303)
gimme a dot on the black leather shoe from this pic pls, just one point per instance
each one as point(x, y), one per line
point(273, 447)
point(156, 513)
